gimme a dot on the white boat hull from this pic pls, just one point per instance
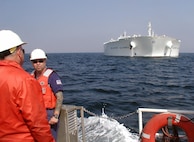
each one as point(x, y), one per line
point(143, 46)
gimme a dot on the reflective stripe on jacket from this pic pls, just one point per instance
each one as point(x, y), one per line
point(48, 95)
point(23, 115)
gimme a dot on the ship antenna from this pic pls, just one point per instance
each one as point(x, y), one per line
point(149, 29)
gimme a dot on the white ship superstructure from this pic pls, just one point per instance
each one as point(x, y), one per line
point(143, 46)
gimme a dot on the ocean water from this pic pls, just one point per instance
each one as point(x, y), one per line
point(121, 85)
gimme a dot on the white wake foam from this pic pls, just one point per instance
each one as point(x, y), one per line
point(104, 129)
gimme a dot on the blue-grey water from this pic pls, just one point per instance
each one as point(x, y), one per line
point(123, 84)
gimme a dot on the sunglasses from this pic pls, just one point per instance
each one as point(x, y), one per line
point(38, 61)
point(23, 50)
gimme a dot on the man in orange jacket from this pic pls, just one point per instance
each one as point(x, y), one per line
point(23, 115)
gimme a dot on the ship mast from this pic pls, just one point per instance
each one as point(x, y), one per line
point(150, 32)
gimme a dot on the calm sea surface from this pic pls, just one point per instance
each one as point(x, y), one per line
point(123, 84)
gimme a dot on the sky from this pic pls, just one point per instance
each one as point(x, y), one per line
point(74, 26)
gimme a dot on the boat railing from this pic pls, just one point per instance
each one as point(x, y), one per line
point(68, 124)
point(151, 110)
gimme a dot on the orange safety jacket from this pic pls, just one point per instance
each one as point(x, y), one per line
point(23, 116)
point(48, 95)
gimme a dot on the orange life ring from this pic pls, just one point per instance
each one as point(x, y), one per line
point(160, 120)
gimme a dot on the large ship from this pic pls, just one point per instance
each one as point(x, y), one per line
point(150, 45)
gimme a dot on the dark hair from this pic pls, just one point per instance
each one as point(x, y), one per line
point(3, 54)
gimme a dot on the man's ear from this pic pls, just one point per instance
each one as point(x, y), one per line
point(18, 51)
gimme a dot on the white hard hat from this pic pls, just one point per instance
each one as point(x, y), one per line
point(8, 40)
point(37, 54)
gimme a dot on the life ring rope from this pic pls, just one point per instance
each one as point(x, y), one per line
point(166, 133)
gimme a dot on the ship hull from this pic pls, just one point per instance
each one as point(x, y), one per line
point(143, 46)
